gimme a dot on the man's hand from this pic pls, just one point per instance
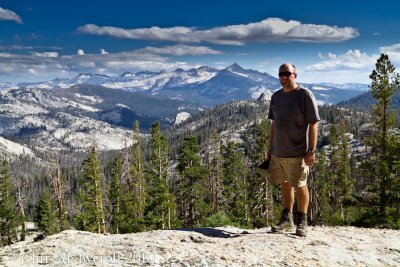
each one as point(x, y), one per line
point(309, 158)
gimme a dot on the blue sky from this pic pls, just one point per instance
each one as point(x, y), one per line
point(335, 41)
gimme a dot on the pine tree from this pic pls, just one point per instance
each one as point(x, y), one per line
point(91, 194)
point(320, 191)
point(214, 166)
point(160, 209)
point(381, 165)
point(192, 183)
point(58, 189)
point(138, 181)
point(344, 182)
point(334, 172)
point(9, 217)
point(235, 184)
point(396, 187)
point(261, 141)
point(261, 190)
point(116, 196)
point(45, 214)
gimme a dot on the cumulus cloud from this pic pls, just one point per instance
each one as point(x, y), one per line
point(181, 50)
point(6, 14)
point(351, 60)
point(45, 54)
point(392, 51)
point(80, 52)
point(103, 51)
point(268, 30)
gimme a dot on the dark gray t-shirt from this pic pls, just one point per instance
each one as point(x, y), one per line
point(292, 113)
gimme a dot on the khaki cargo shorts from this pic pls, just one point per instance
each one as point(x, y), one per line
point(293, 170)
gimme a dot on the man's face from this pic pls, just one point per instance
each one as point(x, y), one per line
point(287, 77)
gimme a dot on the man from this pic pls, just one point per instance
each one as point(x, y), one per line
point(293, 140)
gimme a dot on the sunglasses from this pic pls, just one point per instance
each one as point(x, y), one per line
point(285, 73)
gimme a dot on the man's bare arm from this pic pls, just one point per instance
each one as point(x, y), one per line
point(309, 158)
point(271, 137)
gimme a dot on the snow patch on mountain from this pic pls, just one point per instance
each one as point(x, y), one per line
point(92, 99)
point(81, 133)
point(320, 88)
point(8, 148)
point(40, 86)
point(122, 106)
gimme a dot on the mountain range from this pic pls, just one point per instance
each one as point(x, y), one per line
point(365, 102)
point(73, 114)
point(204, 85)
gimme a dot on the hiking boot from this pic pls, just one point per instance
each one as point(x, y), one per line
point(301, 229)
point(286, 223)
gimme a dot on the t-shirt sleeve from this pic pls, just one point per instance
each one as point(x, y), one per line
point(311, 109)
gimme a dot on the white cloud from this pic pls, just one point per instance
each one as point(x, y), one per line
point(392, 51)
point(268, 30)
point(38, 66)
point(351, 60)
point(333, 56)
point(181, 50)
point(19, 47)
point(320, 55)
point(336, 76)
point(6, 14)
point(45, 54)
point(103, 51)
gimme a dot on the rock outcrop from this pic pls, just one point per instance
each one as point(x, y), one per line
point(226, 246)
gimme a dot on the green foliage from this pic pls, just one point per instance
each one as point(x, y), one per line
point(191, 186)
point(137, 173)
point(371, 217)
point(160, 208)
point(45, 214)
point(235, 184)
point(9, 218)
point(321, 185)
point(116, 196)
point(219, 219)
point(260, 189)
point(380, 167)
point(214, 166)
point(92, 217)
point(261, 136)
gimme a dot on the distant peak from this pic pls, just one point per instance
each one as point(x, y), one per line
point(90, 75)
point(145, 72)
point(206, 68)
point(126, 74)
point(234, 66)
point(179, 70)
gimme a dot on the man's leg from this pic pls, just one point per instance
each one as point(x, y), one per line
point(287, 196)
point(303, 199)
point(286, 222)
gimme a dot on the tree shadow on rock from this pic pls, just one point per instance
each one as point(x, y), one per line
point(212, 232)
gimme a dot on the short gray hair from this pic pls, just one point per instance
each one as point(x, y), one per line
point(293, 66)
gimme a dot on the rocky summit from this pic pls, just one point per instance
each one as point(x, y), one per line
point(224, 246)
